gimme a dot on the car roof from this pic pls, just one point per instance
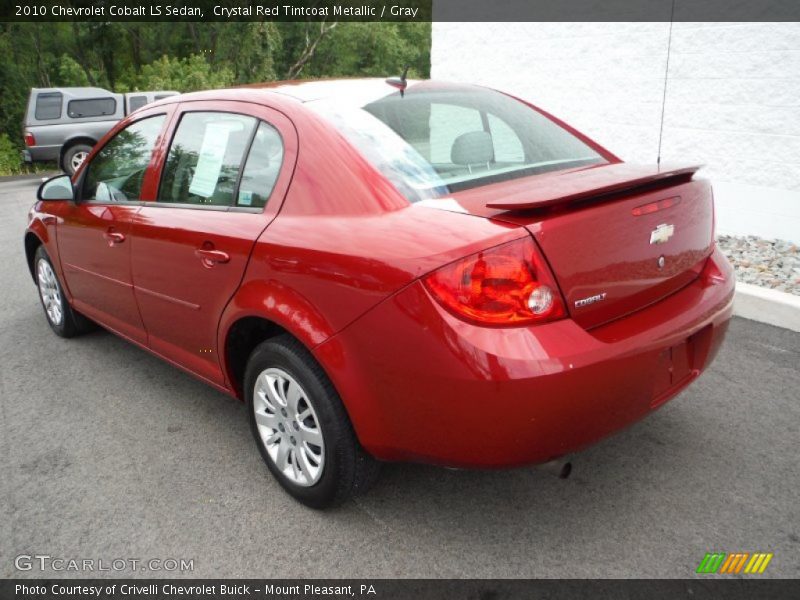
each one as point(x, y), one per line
point(76, 92)
point(303, 91)
point(308, 90)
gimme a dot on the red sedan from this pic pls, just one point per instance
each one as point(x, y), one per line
point(389, 271)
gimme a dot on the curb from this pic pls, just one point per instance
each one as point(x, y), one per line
point(767, 306)
point(45, 174)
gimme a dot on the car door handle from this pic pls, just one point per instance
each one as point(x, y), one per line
point(210, 257)
point(114, 237)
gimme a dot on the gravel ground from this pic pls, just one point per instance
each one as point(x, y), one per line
point(769, 263)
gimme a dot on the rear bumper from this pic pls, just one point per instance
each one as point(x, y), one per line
point(422, 385)
point(41, 153)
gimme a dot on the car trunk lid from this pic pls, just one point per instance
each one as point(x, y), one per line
point(617, 239)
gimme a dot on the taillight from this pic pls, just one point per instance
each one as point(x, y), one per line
point(29, 139)
point(509, 284)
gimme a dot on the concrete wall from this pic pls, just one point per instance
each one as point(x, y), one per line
point(732, 98)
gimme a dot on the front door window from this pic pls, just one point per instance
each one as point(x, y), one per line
point(116, 172)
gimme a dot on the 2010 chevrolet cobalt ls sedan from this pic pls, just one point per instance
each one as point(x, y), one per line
point(389, 270)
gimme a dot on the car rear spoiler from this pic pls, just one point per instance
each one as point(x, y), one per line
point(574, 186)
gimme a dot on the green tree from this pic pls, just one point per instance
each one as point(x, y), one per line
point(187, 56)
point(70, 73)
point(356, 49)
point(183, 74)
point(249, 51)
point(10, 161)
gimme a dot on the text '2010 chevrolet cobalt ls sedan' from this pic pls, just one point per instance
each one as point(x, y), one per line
point(438, 273)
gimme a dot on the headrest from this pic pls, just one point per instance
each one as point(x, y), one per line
point(472, 148)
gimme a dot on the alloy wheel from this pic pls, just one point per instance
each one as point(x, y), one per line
point(77, 160)
point(50, 292)
point(289, 427)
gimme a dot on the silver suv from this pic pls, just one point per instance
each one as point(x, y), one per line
point(62, 124)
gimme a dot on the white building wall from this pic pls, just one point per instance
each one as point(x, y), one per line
point(732, 98)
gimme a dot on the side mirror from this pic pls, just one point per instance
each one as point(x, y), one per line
point(56, 188)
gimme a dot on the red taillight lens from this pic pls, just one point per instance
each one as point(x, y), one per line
point(29, 139)
point(505, 285)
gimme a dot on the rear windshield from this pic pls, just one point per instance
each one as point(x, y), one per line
point(48, 106)
point(432, 143)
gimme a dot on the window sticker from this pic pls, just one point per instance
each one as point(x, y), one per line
point(209, 163)
point(245, 198)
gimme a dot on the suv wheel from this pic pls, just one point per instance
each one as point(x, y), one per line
point(74, 157)
point(301, 427)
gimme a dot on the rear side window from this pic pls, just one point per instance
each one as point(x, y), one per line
point(116, 173)
point(48, 106)
point(93, 107)
point(136, 102)
point(262, 167)
point(205, 158)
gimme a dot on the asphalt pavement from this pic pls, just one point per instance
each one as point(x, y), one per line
point(106, 452)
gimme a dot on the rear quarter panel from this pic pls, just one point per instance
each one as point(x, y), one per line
point(344, 240)
point(314, 275)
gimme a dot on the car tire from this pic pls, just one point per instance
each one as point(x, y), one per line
point(61, 317)
point(337, 469)
point(73, 157)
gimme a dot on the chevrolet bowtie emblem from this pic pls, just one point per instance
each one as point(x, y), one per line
point(662, 233)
